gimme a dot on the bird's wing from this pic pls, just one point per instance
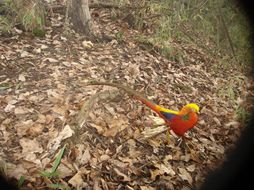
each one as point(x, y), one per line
point(167, 113)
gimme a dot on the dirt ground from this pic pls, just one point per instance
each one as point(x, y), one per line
point(45, 106)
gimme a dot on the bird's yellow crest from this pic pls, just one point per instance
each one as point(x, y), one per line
point(192, 106)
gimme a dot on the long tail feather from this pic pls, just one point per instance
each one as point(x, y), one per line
point(156, 108)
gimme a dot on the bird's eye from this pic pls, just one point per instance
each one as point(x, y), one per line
point(194, 110)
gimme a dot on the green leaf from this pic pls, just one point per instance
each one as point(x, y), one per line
point(58, 160)
point(56, 163)
point(49, 174)
point(21, 181)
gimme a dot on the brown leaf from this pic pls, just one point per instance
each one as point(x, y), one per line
point(35, 130)
point(9, 107)
point(123, 177)
point(185, 175)
point(41, 118)
point(77, 181)
point(99, 129)
point(116, 125)
point(36, 98)
point(16, 171)
point(191, 168)
point(66, 169)
point(23, 127)
point(54, 96)
point(147, 188)
point(22, 110)
point(155, 173)
point(29, 148)
point(162, 169)
point(96, 184)
point(86, 156)
point(22, 78)
point(51, 60)
point(87, 44)
point(167, 169)
point(55, 142)
point(25, 54)
point(104, 157)
point(59, 110)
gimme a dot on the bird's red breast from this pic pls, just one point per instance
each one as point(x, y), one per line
point(183, 122)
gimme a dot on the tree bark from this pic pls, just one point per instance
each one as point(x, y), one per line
point(80, 16)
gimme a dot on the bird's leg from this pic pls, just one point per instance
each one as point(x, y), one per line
point(180, 140)
point(168, 136)
point(183, 141)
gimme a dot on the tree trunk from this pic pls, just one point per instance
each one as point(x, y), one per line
point(80, 17)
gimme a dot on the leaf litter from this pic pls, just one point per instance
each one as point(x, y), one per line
point(113, 141)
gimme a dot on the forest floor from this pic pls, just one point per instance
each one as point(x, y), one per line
point(43, 100)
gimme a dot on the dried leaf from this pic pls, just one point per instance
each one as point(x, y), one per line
point(167, 169)
point(9, 108)
point(51, 60)
point(86, 156)
point(35, 130)
point(99, 129)
point(29, 148)
point(77, 181)
point(61, 110)
point(41, 118)
point(16, 171)
point(116, 125)
point(155, 173)
point(217, 121)
point(21, 110)
point(104, 157)
point(147, 188)
point(65, 170)
point(64, 134)
point(25, 54)
point(22, 78)
point(123, 176)
point(185, 175)
point(87, 44)
point(191, 168)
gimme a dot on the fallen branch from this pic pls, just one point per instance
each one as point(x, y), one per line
point(152, 132)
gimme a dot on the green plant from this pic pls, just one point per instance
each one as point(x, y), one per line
point(217, 27)
point(119, 36)
point(230, 90)
point(21, 181)
point(53, 172)
point(5, 24)
point(242, 114)
point(7, 21)
point(32, 18)
point(7, 7)
point(29, 13)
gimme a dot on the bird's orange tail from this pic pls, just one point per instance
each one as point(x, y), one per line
point(151, 105)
